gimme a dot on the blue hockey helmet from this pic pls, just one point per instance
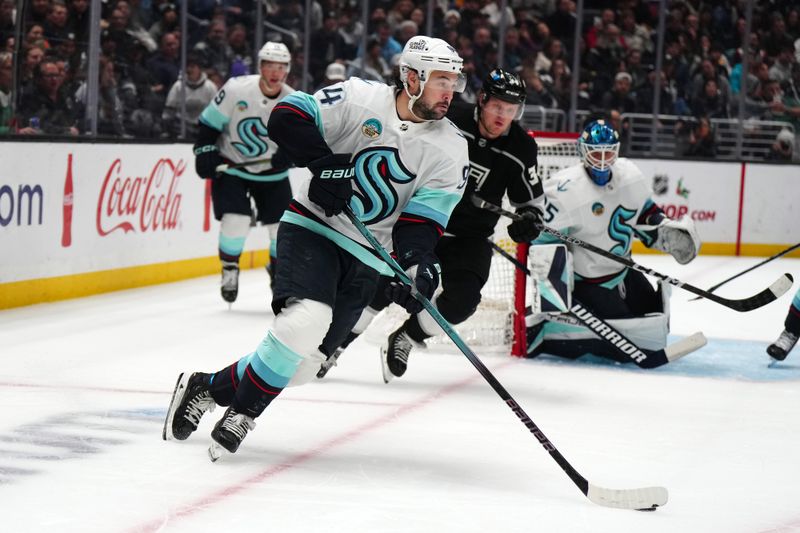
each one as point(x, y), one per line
point(598, 148)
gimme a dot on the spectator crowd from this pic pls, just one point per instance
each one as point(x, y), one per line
point(43, 76)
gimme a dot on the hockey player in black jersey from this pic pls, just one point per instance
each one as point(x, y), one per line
point(502, 161)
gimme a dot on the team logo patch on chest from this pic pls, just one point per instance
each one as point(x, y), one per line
point(598, 209)
point(241, 105)
point(478, 173)
point(372, 128)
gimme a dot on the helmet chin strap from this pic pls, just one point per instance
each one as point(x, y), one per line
point(413, 100)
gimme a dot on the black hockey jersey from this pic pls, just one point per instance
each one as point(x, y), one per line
point(506, 164)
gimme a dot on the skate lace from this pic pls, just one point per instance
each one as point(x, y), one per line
point(198, 405)
point(238, 424)
point(230, 278)
point(402, 348)
point(786, 341)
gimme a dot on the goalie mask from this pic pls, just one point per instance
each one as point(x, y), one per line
point(598, 148)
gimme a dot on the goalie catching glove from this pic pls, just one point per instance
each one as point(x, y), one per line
point(679, 238)
point(526, 228)
point(331, 184)
point(424, 271)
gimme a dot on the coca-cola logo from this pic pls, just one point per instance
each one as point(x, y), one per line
point(147, 203)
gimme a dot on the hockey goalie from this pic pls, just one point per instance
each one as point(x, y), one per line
point(604, 201)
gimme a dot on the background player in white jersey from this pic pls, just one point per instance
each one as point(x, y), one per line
point(502, 161)
point(387, 154)
point(606, 201)
point(233, 130)
point(779, 349)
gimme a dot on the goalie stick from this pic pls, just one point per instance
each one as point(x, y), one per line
point(743, 272)
point(770, 294)
point(619, 342)
point(642, 499)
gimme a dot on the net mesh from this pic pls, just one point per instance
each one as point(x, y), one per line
point(490, 329)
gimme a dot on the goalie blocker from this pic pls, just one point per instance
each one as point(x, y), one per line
point(552, 328)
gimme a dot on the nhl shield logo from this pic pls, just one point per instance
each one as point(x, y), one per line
point(660, 184)
point(372, 128)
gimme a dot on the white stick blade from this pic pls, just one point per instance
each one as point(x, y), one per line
point(644, 499)
point(783, 284)
point(685, 346)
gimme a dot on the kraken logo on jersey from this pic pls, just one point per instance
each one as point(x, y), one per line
point(620, 231)
point(251, 130)
point(376, 171)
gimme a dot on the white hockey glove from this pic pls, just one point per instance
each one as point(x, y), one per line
point(679, 238)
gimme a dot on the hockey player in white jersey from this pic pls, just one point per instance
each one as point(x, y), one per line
point(233, 130)
point(606, 201)
point(385, 152)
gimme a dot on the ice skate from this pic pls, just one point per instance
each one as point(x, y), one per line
point(229, 433)
point(779, 349)
point(229, 287)
point(190, 401)
point(329, 363)
point(395, 352)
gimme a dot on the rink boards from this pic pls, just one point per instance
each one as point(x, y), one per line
point(80, 219)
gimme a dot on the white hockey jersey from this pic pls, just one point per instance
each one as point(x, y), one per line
point(605, 216)
point(240, 111)
point(401, 167)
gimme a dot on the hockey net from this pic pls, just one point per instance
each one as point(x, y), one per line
point(498, 325)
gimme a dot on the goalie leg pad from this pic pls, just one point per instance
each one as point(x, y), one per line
point(564, 336)
point(551, 280)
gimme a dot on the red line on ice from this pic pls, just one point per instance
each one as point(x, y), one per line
point(142, 391)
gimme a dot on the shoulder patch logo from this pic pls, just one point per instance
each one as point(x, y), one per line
point(241, 105)
point(562, 186)
point(372, 128)
point(598, 208)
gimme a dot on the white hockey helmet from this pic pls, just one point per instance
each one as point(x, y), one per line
point(276, 52)
point(426, 54)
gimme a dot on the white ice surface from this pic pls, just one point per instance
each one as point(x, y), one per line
point(85, 384)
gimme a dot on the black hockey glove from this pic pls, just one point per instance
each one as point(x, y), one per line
point(206, 160)
point(331, 183)
point(280, 160)
point(425, 274)
point(524, 229)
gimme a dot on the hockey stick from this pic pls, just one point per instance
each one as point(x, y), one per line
point(233, 166)
point(743, 272)
point(644, 499)
point(619, 342)
point(770, 294)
